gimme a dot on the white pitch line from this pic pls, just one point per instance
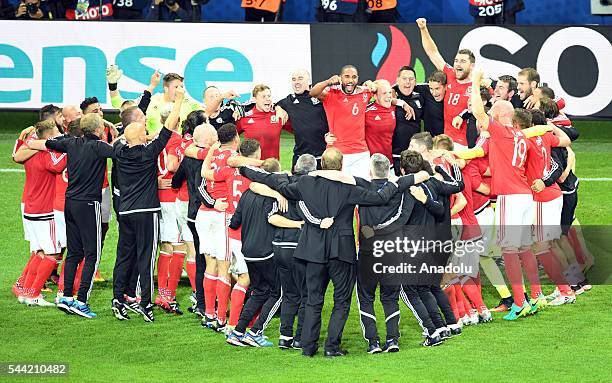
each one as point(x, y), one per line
point(600, 179)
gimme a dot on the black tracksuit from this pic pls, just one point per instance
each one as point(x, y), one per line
point(569, 187)
point(326, 254)
point(405, 129)
point(139, 211)
point(378, 223)
point(189, 171)
point(86, 166)
point(433, 117)
point(422, 292)
point(309, 124)
point(252, 216)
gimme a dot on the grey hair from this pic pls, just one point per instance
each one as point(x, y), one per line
point(305, 163)
point(379, 164)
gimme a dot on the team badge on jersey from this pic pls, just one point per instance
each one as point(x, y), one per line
point(273, 119)
point(418, 104)
point(314, 100)
point(219, 120)
point(365, 97)
point(468, 91)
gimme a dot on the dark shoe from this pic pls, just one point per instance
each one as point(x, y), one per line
point(119, 310)
point(335, 353)
point(392, 345)
point(175, 308)
point(147, 313)
point(432, 341)
point(455, 329)
point(297, 345)
point(285, 344)
point(374, 347)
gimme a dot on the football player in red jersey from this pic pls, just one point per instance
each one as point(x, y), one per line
point(39, 195)
point(458, 84)
point(262, 123)
point(515, 210)
point(380, 121)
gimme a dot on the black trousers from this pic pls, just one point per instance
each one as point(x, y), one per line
point(265, 296)
point(84, 236)
point(200, 266)
point(138, 237)
point(389, 298)
point(570, 201)
point(318, 275)
point(443, 304)
point(293, 285)
point(412, 299)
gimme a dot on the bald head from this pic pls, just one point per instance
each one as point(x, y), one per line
point(300, 81)
point(502, 111)
point(71, 113)
point(135, 134)
point(205, 135)
point(331, 159)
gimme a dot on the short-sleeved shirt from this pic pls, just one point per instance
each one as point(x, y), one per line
point(379, 128)
point(238, 185)
point(265, 127)
point(218, 188)
point(346, 118)
point(39, 187)
point(538, 165)
point(455, 102)
point(507, 157)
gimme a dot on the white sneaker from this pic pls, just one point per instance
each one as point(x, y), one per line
point(485, 316)
point(473, 316)
point(21, 299)
point(38, 301)
point(555, 294)
point(562, 300)
point(465, 321)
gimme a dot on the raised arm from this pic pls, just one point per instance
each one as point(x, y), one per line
point(430, 47)
point(318, 90)
point(207, 172)
point(172, 121)
point(477, 105)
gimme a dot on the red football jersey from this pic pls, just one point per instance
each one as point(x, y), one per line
point(264, 127)
point(379, 128)
point(168, 195)
point(483, 164)
point(39, 188)
point(538, 165)
point(471, 229)
point(455, 102)
point(238, 184)
point(476, 168)
point(346, 118)
point(61, 184)
point(183, 193)
point(218, 188)
point(507, 157)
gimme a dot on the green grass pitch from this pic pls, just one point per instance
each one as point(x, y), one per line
point(570, 343)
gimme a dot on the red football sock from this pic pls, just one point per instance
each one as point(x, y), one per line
point(45, 268)
point(223, 294)
point(163, 268)
point(472, 290)
point(515, 276)
point(175, 270)
point(210, 293)
point(530, 265)
point(450, 293)
point(460, 301)
point(32, 270)
point(77, 277)
point(190, 266)
point(236, 303)
point(553, 269)
point(24, 273)
point(575, 243)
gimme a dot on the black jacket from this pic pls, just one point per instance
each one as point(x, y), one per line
point(252, 216)
point(190, 171)
point(86, 164)
point(137, 171)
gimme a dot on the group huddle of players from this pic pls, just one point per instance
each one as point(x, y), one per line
point(516, 192)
